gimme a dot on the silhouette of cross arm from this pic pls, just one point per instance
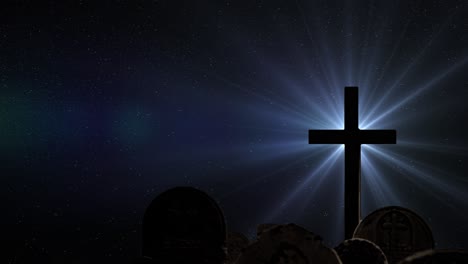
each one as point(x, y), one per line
point(352, 137)
point(330, 136)
point(351, 133)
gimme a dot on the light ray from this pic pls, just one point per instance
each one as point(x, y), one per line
point(407, 70)
point(418, 91)
point(379, 188)
point(316, 175)
point(424, 180)
point(376, 86)
point(321, 151)
point(458, 149)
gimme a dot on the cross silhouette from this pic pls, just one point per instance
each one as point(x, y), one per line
point(352, 137)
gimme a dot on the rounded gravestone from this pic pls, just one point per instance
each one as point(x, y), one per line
point(437, 257)
point(362, 251)
point(398, 231)
point(236, 242)
point(183, 224)
point(289, 244)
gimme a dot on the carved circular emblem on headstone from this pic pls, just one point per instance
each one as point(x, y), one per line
point(288, 244)
point(398, 231)
point(362, 251)
point(437, 257)
point(236, 242)
point(183, 222)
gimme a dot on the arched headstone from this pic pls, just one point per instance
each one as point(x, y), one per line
point(362, 251)
point(437, 257)
point(184, 224)
point(398, 231)
point(290, 244)
point(236, 242)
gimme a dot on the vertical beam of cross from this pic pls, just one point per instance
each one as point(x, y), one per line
point(352, 137)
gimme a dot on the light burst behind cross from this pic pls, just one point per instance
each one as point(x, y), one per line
point(352, 137)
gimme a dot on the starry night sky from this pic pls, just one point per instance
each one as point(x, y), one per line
point(104, 105)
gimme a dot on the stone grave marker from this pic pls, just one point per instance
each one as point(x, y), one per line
point(184, 224)
point(288, 244)
point(398, 231)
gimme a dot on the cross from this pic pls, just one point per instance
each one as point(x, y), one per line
point(352, 137)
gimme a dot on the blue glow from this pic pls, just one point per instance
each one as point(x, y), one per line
point(392, 95)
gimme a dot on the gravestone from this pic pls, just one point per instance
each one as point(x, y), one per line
point(362, 251)
point(236, 242)
point(264, 227)
point(398, 231)
point(184, 225)
point(289, 244)
point(437, 257)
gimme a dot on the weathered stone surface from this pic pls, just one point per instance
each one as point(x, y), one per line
point(362, 251)
point(236, 242)
point(288, 244)
point(264, 227)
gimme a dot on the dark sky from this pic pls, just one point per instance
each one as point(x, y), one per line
point(105, 104)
